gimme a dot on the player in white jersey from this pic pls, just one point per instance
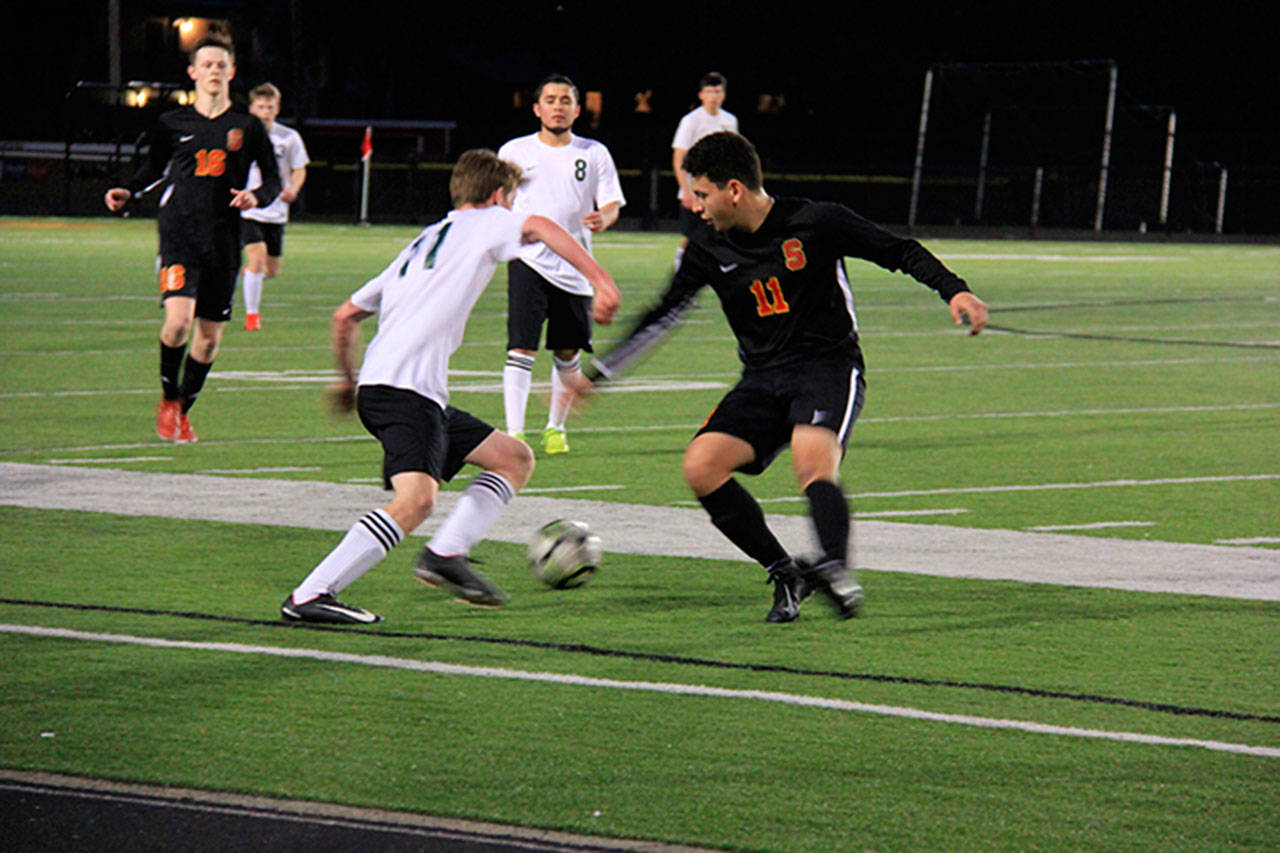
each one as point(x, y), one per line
point(423, 300)
point(262, 228)
point(574, 182)
point(710, 117)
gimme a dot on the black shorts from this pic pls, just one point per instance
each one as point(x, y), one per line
point(531, 299)
point(765, 405)
point(689, 221)
point(416, 434)
point(271, 233)
point(206, 273)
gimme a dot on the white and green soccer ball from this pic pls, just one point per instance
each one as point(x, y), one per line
point(564, 554)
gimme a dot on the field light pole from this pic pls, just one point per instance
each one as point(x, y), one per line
point(1222, 199)
point(924, 125)
point(982, 169)
point(1168, 168)
point(1106, 148)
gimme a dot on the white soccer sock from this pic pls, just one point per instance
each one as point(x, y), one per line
point(517, 377)
point(560, 373)
point(473, 515)
point(252, 291)
point(364, 546)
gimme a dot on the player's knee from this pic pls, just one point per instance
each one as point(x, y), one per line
point(519, 464)
point(700, 471)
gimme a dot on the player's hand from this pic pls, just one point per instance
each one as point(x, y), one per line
point(342, 397)
point(288, 195)
point(687, 200)
point(243, 199)
point(606, 302)
point(116, 198)
point(594, 221)
point(969, 310)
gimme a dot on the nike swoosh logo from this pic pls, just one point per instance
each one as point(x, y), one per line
point(187, 138)
point(728, 267)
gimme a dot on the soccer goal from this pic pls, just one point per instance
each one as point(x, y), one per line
point(1026, 143)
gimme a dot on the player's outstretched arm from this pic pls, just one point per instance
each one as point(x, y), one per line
point(541, 229)
point(967, 309)
point(345, 331)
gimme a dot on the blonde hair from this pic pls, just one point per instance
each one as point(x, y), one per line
point(266, 90)
point(478, 173)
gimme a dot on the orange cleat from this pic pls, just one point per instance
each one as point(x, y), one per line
point(167, 415)
point(185, 434)
point(252, 323)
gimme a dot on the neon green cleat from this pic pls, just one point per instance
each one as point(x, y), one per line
point(520, 436)
point(555, 440)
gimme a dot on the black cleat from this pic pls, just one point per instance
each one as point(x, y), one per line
point(837, 582)
point(326, 608)
point(789, 589)
point(455, 573)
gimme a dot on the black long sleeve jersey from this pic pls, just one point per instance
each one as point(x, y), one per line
point(783, 287)
point(203, 160)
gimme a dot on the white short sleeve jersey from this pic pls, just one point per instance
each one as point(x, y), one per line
point(423, 299)
point(697, 124)
point(290, 154)
point(565, 183)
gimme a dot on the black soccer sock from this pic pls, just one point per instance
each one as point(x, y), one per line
point(193, 376)
point(170, 365)
point(830, 513)
point(737, 515)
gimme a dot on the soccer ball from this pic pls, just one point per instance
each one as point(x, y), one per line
point(564, 554)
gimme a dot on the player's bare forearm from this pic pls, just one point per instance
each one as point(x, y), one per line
point(967, 309)
point(345, 331)
point(544, 230)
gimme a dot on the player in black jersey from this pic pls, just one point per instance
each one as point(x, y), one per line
point(777, 266)
point(203, 153)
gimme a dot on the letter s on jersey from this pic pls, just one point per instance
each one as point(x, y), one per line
point(793, 251)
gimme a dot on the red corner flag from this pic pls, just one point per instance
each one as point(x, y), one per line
point(366, 145)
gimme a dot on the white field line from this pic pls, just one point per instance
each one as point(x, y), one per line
point(669, 688)
point(1250, 540)
point(633, 428)
point(1097, 525)
point(1039, 487)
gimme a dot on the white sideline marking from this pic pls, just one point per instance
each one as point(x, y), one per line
point(669, 688)
point(1037, 487)
point(1097, 525)
point(1250, 540)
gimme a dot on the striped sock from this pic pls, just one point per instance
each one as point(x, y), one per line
point(473, 515)
point(517, 378)
point(364, 546)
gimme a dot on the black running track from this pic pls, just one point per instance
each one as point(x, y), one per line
point(41, 812)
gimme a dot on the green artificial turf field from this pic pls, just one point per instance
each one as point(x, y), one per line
point(1127, 392)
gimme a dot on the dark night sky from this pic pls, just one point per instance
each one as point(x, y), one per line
point(852, 74)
